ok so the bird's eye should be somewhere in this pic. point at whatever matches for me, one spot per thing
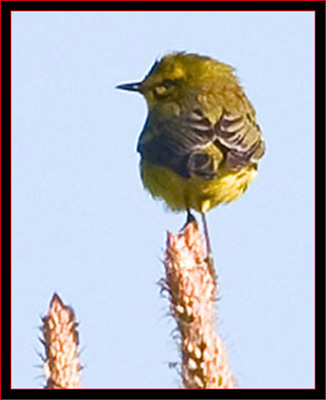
(164, 87)
(168, 83)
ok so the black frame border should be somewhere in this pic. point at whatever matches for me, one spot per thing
(6, 8)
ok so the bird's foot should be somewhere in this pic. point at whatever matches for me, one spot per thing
(190, 218)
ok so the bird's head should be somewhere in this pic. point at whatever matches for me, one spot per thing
(178, 77)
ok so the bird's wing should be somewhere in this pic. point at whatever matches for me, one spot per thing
(240, 139)
(182, 143)
(170, 142)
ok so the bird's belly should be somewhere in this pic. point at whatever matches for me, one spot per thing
(200, 195)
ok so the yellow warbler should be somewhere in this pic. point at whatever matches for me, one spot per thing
(201, 144)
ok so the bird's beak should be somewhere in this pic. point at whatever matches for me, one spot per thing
(133, 87)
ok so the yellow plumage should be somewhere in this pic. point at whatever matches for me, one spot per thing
(194, 193)
(201, 144)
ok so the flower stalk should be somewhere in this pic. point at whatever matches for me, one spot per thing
(60, 340)
(192, 289)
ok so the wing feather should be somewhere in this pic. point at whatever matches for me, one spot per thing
(180, 143)
(240, 138)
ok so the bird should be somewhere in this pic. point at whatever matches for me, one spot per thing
(200, 145)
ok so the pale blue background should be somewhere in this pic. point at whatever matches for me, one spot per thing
(83, 226)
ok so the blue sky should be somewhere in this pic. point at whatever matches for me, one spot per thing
(83, 226)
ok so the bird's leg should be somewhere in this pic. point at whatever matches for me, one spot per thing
(206, 234)
(190, 218)
(209, 254)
